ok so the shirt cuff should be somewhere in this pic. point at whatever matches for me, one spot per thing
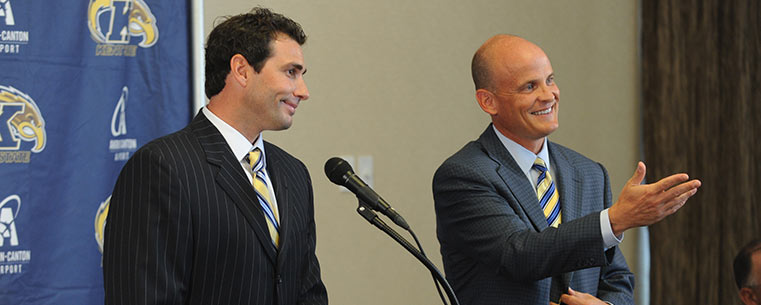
(609, 239)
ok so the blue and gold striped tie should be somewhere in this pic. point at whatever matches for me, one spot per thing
(548, 196)
(262, 192)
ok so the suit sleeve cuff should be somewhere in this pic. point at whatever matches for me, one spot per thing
(609, 239)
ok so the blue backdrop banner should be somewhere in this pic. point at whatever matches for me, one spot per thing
(82, 86)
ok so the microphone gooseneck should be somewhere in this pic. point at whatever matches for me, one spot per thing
(340, 172)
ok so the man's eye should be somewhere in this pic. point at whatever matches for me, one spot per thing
(291, 72)
(530, 87)
(550, 80)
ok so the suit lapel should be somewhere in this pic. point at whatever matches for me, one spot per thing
(280, 186)
(567, 182)
(514, 178)
(232, 179)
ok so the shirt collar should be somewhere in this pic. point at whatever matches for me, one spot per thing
(235, 140)
(524, 157)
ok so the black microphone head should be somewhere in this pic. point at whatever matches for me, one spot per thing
(335, 168)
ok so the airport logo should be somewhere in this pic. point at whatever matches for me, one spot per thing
(121, 147)
(12, 261)
(11, 39)
(9, 208)
(120, 26)
(7, 12)
(118, 119)
(100, 223)
(20, 121)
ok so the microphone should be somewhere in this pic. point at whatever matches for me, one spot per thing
(340, 172)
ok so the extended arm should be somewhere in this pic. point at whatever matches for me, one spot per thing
(616, 283)
(638, 205)
(480, 216)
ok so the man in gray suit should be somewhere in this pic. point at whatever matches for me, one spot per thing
(213, 214)
(522, 220)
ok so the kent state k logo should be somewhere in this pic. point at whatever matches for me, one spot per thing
(20, 120)
(113, 24)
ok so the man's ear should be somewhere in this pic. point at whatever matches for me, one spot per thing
(748, 297)
(487, 101)
(240, 70)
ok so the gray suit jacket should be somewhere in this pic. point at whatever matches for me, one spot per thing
(185, 227)
(495, 242)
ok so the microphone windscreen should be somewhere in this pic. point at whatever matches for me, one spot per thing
(335, 168)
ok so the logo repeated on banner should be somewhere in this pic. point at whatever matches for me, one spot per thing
(20, 120)
(100, 223)
(11, 38)
(114, 23)
(7, 12)
(12, 260)
(121, 147)
(116, 45)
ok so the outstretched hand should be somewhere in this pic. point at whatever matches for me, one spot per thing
(645, 204)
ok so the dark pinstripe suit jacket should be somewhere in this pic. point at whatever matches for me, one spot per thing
(184, 227)
(495, 242)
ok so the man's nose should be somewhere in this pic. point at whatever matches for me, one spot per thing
(550, 93)
(301, 89)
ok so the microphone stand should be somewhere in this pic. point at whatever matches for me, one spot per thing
(373, 218)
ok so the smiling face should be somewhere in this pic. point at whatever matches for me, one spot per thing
(274, 93)
(522, 97)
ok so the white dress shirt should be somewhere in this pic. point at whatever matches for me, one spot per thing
(240, 148)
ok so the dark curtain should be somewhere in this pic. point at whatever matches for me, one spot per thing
(702, 115)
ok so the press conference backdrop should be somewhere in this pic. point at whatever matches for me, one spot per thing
(82, 86)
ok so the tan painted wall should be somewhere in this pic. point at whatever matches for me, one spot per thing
(391, 79)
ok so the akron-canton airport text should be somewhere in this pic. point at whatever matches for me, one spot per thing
(11, 262)
(11, 41)
(14, 36)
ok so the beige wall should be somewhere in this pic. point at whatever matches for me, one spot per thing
(391, 79)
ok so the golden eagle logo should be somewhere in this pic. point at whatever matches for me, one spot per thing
(124, 19)
(27, 124)
(100, 222)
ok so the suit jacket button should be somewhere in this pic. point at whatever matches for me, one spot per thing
(278, 279)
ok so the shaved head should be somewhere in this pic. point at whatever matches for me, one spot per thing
(515, 85)
(501, 46)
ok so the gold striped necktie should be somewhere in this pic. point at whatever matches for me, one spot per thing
(547, 194)
(256, 161)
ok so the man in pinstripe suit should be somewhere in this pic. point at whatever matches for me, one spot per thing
(186, 225)
(498, 245)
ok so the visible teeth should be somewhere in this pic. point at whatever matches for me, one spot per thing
(544, 111)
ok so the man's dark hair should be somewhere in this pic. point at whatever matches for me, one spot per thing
(743, 263)
(247, 34)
